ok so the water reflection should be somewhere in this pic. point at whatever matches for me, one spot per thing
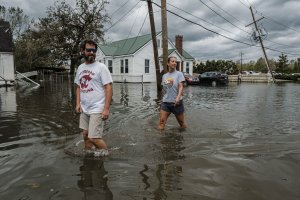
(169, 174)
(124, 95)
(250, 131)
(93, 179)
(9, 125)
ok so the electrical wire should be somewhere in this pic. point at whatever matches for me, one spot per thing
(138, 33)
(123, 17)
(223, 17)
(272, 49)
(130, 29)
(204, 20)
(226, 12)
(120, 7)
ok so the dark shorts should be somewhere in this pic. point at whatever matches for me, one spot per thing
(172, 108)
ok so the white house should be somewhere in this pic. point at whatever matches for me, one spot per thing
(7, 69)
(132, 60)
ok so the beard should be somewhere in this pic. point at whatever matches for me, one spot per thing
(90, 59)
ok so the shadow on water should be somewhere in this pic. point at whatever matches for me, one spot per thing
(242, 143)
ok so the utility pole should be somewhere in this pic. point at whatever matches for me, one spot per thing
(262, 45)
(164, 33)
(154, 42)
(241, 61)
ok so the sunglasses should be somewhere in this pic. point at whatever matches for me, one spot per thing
(91, 50)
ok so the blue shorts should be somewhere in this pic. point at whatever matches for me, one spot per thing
(172, 108)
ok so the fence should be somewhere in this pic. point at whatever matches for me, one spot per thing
(128, 78)
(259, 78)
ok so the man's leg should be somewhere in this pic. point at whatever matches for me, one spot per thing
(87, 143)
(99, 143)
(96, 128)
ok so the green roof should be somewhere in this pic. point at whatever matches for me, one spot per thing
(125, 47)
(186, 55)
(130, 46)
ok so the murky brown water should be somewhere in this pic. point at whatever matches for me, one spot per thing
(243, 142)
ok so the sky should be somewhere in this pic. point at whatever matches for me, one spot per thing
(211, 29)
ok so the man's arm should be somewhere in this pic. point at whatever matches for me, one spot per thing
(108, 97)
(78, 107)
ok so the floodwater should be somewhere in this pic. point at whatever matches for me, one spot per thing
(243, 143)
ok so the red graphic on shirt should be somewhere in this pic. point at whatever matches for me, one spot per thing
(84, 81)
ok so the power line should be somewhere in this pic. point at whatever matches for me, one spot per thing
(226, 12)
(274, 21)
(122, 17)
(244, 4)
(272, 49)
(223, 17)
(130, 29)
(138, 33)
(203, 20)
(205, 27)
(120, 7)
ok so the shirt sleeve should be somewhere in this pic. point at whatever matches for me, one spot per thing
(105, 75)
(76, 79)
(181, 77)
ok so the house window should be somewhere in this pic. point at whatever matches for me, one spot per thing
(126, 66)
(147, 63)
(187, 67)
(158, 43)
(122, 66)
(110, 67)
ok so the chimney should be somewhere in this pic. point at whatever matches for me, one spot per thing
(178, 43)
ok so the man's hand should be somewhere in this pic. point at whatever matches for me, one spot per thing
(105, 114)
(78, 109)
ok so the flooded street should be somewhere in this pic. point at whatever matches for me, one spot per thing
(243, 142)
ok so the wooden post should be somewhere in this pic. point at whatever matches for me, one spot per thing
(154, 42)
(164, 33)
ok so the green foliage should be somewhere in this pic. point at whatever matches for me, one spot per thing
(292, 77)
(19, 22)
(55, 38)
(220, 65)
(65, 27)
(282, 65)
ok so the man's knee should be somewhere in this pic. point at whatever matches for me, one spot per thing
(85, 135)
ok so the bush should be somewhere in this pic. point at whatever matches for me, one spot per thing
(292, 77)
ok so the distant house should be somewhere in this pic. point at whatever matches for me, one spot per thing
(132, 60)
(7, 70)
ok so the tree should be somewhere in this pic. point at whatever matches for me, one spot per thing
(30, 54)
(65, 27)
(297, 65)
(19, 22)
(260, 65)
(282, 65)
(219, 65)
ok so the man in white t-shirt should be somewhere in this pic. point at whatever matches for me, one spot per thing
(93, 97)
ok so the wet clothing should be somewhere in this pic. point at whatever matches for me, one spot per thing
(91, 79)
(170, 83)
(172, 108)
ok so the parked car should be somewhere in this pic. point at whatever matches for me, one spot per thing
(213, 78)
(190, 80)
